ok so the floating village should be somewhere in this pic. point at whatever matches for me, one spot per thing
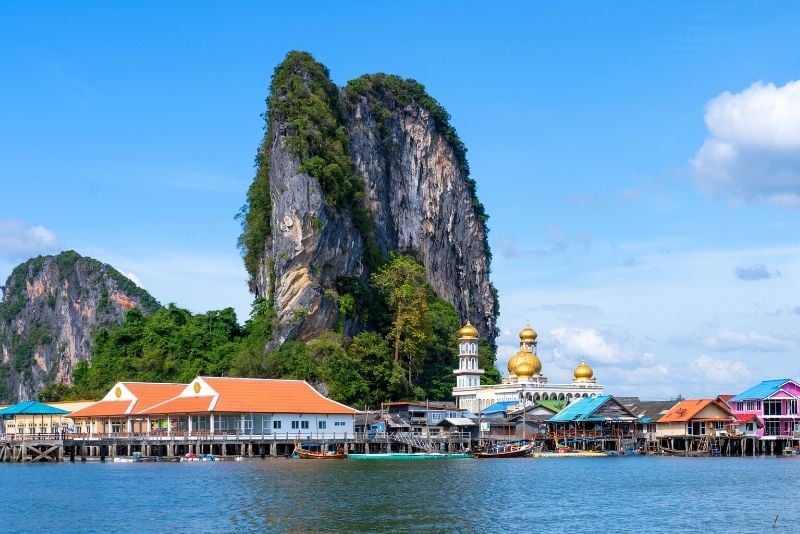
(216, 418)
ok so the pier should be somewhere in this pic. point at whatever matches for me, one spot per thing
(166, 446)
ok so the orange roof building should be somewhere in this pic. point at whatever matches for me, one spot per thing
(211, 405)
(694, 417)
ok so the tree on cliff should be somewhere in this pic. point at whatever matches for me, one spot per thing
(402, 282)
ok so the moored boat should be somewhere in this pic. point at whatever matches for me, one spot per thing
(307, 454)
(510, 450)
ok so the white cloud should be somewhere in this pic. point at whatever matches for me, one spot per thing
(762, 115)
(716, 371)
(725, 340)
(19, 241)
(194, 280)
(585, 342)
(133, 278)
(753, 151)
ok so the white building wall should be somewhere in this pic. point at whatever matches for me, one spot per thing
(335, 426)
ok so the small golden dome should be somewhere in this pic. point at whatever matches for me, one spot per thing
(526, 363)
(583, 373)
(528, 334)
(468, 332)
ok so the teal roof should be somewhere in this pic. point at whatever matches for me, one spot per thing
(32, 408)
(582, 410)
(761, 391)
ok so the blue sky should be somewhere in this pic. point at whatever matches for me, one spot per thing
(640, 162)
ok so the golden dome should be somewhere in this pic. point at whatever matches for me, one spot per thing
(512, 363)
(583, 373)
(525, 363)
(528, 334)
(468, 332)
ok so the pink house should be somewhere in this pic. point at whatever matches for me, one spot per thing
(773, 403)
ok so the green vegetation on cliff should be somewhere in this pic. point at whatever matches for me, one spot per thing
(410, 355)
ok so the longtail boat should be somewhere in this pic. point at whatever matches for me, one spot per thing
(320, 455)
(511, 450)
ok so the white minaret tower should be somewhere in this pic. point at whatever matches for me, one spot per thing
(468, 375)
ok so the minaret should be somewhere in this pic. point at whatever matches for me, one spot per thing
(468, 375)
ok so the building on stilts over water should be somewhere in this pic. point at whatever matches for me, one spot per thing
(525, 382)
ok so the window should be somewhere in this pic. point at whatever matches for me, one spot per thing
(338, 423)
(295, 425)
(304, 425)
(276, 425)
(772, 428)
(321, 425)
(791, 406)
(772, 407)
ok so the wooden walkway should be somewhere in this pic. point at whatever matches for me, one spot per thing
(54, 447)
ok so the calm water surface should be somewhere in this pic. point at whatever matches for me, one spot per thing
(647, 494)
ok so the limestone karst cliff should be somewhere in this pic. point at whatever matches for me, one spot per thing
(50, 309)
(346, 176)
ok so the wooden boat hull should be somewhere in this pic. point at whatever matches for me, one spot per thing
(314, 455)
(518, 452)
(673, 452)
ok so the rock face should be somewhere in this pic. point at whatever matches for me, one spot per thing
(419, 197)
(414, 190)
(50, 309)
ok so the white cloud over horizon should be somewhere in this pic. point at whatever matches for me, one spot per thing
(718, 371)
(753, 149)
(19, 240)
(726, 341)
(587, 343)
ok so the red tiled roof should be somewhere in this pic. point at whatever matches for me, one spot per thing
(181, 405)
(150, 394)
(747, 417)
(272, 396)
(686, 410)
(146, 394)
(236, 395)
(103, 409)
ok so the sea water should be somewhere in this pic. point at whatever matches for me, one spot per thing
(629, 494)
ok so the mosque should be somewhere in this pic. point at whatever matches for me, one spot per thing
(525, 381)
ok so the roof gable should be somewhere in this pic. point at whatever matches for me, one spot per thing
(126, 398)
